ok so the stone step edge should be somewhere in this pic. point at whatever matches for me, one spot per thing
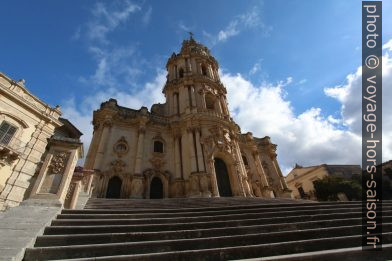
(175, 241)
(277, 233)
(212, 204)
(206, 209)
(147, 221)
(175, 224)
(206, 213)
(316, 254)
(161, 255)
(262, 214)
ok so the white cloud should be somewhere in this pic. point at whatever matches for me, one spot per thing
(388, 45)
(349, 95)
(106, 19)
(249, 20)
(115, 66)
(256, 68)
(309, 138)
(184, 27)
(147, 16)
(303, 81)
(229, 31)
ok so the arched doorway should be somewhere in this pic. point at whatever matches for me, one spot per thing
(156, 188)
(114, 187)
(222, 177)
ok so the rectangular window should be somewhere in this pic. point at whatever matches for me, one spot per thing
(7, 131)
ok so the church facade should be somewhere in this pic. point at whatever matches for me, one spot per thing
(187, 147)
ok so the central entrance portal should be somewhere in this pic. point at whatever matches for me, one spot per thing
(114, 187)
(222, 177)
(156, 188)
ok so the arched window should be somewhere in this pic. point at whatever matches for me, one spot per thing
(245, 160)
(210, 102)
(121, 147)
(181, 73)
(7, 131)
(204, 70)
(158, 146)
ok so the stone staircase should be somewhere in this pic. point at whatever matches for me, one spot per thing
(210, 229)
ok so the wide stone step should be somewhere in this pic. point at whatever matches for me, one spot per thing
(67, 214)
(282, 232)
(178, 205)
(346, 254)
(273, 224)
(211, 219)
(187, 202)
(204, 209)
(192, 202)
(217, 248)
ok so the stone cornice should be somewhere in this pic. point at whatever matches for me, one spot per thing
(191, 80)
(18, 92)
(174, 58)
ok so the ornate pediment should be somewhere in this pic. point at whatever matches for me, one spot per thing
(117, 166)
(221, 139)
(157, 161)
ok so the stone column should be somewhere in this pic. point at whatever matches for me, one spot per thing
(75, 193)
(193, 96)
(279, 173)
(107, 125)
(177, 155)
(188, 65)
(210, 74)
(259, 167)
(176, 106)
(169, 103)
(242, 171)
(218, 107)
(192, 151)
(214, 183)
(139, 152)
(224, 107)
(185, 98)
(92, 151)
(200, 159)
(203, 100)
(185, 154)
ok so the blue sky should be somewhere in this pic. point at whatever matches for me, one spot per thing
(297, 52)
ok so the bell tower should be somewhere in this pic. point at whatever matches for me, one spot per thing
(203, 131)
(193, 83)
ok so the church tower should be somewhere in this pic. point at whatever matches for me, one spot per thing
(187, 147)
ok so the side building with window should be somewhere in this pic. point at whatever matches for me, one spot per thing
(187, 147)
(32, 135)
(300, 179)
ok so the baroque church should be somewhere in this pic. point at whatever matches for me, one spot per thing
(187, 147)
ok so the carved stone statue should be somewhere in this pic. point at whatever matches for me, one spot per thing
(256, 188)
(137, 188)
